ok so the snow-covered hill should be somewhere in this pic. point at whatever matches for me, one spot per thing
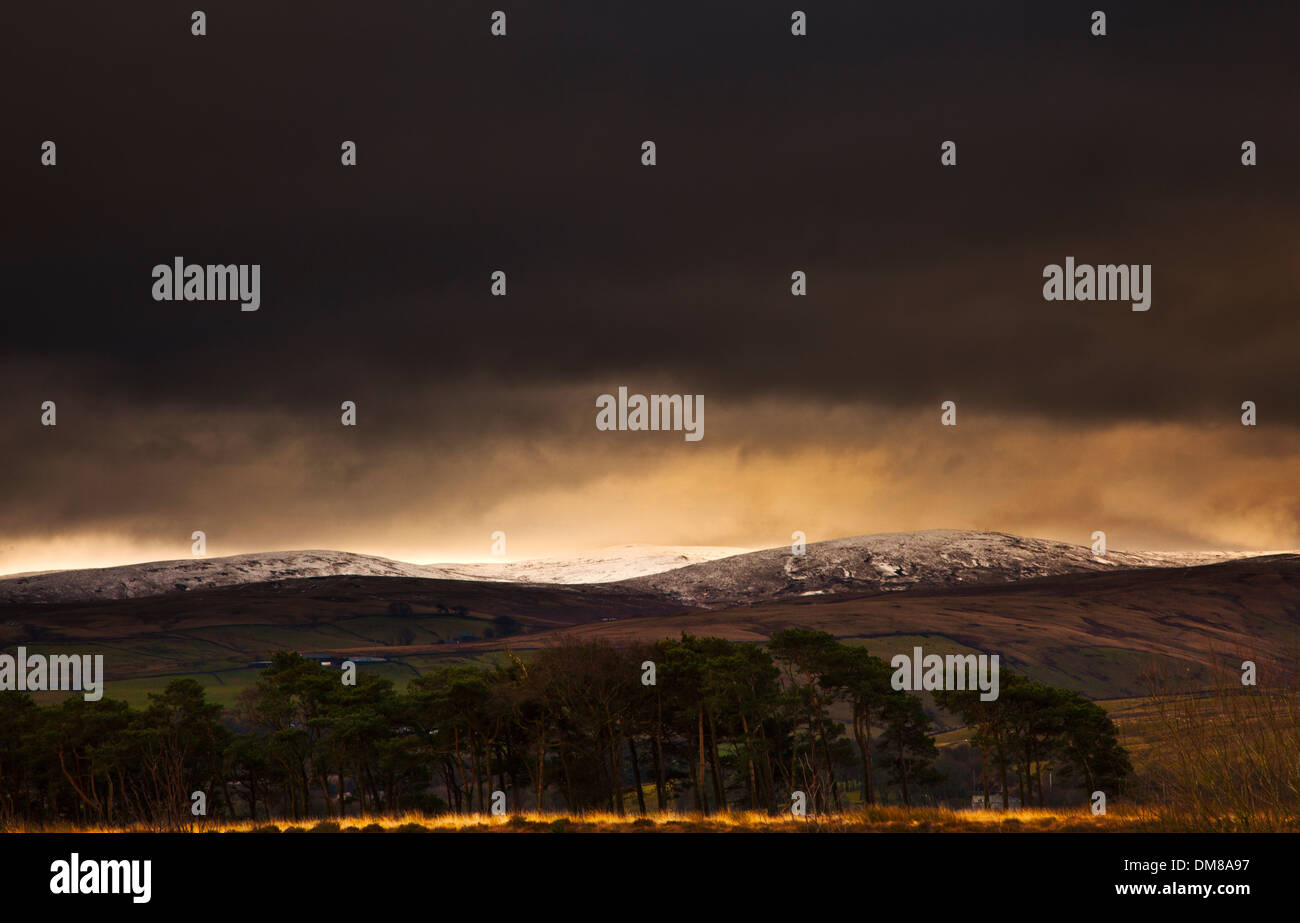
(896, 561)
(693, 575)
(619, 562)
(187, 574)
(156, 577)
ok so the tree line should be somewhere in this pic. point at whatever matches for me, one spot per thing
(692, 723)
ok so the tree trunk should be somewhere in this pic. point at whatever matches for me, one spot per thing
(661, 779)
(636, 776)
(541, 763)
(1006, 792)
(902, 772)
(749, 758)
(325, 790)
(617, 777)
(699, 781)
(719, 792)
(862, 733)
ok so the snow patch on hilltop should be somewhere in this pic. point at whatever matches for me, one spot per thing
(156, 578)
(897, 561)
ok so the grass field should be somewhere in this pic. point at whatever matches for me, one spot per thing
(1124, 819)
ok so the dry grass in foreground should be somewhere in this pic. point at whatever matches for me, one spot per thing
(870, 820)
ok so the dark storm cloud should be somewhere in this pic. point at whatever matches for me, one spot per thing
(522, 154)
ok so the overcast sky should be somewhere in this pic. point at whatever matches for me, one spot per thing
(523, 153)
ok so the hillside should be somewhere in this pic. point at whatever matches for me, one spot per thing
(1050, 609)
(891, 562)
(1096, 632)
(156, 578)
(708, 576)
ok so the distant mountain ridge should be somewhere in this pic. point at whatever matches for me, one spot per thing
(895, 561)
(1052, 610)
(704, 576)
(155, 578)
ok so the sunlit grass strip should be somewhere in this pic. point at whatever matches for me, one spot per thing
(871, 819)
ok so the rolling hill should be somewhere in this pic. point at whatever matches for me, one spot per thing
(897, 561)
(156, 578)
(1051, 610)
